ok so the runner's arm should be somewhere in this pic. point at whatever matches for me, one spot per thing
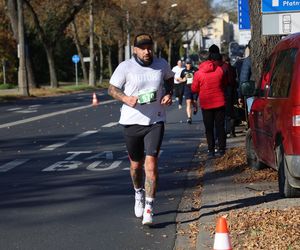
(118, 94)
(167, 98)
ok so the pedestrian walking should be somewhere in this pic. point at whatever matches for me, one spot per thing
(178, 83)
(144, 84)
(187, 76)
(209, 82)
(231, 95)
(245, 76)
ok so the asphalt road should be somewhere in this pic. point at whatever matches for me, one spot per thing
(65, 180)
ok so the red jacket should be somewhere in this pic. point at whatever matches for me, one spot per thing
(209, 83)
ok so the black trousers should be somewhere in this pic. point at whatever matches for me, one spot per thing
(214, 122)
(179, 91)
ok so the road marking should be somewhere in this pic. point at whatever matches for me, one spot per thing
(60, 144)
(76, 153)
(27, 111)
(54, 146)
(108, 155)
(12, 164)
(93, 166)
(111, 124)
(63, 166)
(40, 117)
(14, 109)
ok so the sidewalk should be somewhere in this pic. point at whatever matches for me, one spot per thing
(221, 195)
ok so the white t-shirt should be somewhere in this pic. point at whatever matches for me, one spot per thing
(134, 79)
(177, 70)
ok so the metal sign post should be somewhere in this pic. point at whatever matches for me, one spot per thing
(75, 59)
(244, 22)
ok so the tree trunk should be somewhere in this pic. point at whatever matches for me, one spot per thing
(92, 81)
(23, 84)
(109, 61)
(170, 51)
(13, 17)
(263, 44)
(100, 59)
(79, 51)
(29, 70)
(50, 59)
(120, 51)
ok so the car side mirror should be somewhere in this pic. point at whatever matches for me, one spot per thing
(248, 88)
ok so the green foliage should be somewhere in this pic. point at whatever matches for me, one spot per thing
(8, 55)
(7, 86)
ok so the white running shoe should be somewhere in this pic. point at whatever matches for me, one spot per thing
(147, 217)
(139, 203)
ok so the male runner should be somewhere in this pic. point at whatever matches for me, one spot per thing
(187, 76)
(144, 84)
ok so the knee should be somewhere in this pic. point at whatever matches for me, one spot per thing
(134, 165)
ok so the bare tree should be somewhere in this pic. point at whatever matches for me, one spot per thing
(92, 80)
(23, 84)
(11, 7)
(50, 29)
(263, 44)
(79, 50)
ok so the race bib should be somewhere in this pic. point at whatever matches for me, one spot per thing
(189, 79)
(147, 96)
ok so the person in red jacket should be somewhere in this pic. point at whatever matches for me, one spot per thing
(210, 82)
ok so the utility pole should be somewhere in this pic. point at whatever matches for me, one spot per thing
(22, 77)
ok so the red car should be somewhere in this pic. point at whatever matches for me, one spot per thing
(273, 138)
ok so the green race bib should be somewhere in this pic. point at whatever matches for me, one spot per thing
(147, 96)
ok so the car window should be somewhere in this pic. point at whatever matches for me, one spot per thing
(282, 73)
(266, 74)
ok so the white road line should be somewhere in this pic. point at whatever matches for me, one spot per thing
(13, 109)
(54, 146)
(26, 111)
(12, 164)
(60, 144)
(94, 165)
(111, 124)
(10, 124)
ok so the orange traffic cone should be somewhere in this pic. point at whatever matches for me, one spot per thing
(222, 239)
(95, 100)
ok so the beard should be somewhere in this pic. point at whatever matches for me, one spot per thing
(143, 61)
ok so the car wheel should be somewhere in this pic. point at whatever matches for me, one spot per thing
(252, 159)
(285, 189)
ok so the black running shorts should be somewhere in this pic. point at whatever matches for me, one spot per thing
(141, 139)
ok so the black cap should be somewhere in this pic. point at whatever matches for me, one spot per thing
(214, 49)
(142, 39)
(188, 61)
(215, 56)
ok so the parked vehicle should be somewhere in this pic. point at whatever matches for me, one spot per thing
(273, 138)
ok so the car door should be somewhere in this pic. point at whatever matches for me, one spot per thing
(257, 111)
(276, 105)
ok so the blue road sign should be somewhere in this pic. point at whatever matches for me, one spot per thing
(272, 6)
(75, 58)
(243, 15)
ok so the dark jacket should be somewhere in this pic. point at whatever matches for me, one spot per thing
(246, 73)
